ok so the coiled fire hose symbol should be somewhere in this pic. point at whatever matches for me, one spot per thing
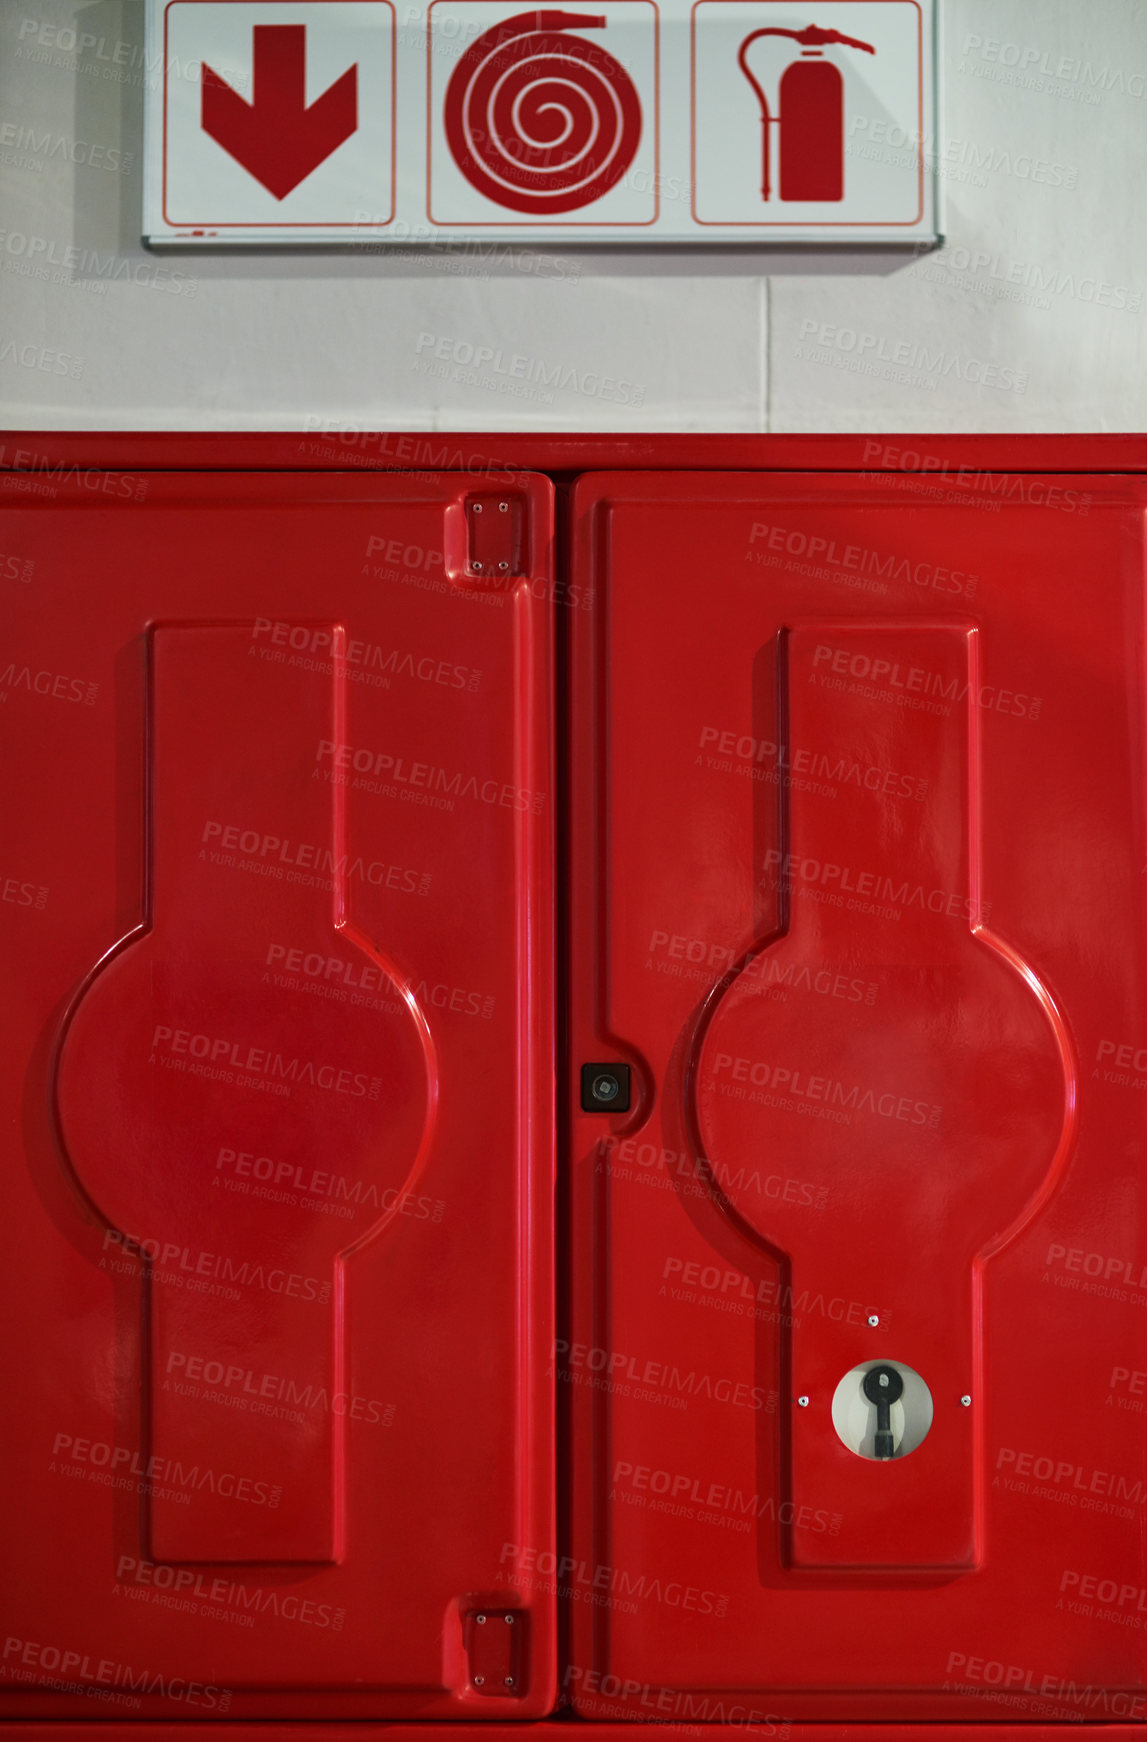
(540, 121)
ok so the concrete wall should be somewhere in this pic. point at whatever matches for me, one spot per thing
(1029, 318)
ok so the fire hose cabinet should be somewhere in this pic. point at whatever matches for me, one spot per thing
(278, 1071)
(574, 1069)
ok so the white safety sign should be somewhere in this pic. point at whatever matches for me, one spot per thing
(416, 121)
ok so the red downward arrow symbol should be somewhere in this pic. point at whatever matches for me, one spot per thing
(275, 136)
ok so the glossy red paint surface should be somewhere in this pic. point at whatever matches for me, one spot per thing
(642, 1730)
(975, 467)
(857, 891)
(851, 877)
(278, 1079)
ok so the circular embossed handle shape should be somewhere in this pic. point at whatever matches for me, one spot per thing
(239, 1126)
(541, 121)
(918, 1077)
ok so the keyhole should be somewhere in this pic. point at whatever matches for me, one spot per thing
(882, 1410)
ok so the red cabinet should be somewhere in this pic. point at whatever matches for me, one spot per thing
(728, 1314)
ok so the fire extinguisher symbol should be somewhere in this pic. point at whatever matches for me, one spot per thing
(810, 115)
(539, 120)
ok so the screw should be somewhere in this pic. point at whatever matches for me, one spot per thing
(503, 565)
(477, 567)
(478, 1680)
(503, 507)
(509, 1681)
(873, 1319)
(477, 508)
(802, 1402)
(481, 1620)
(509, 1620)
(966, 1401)
(605, 1087)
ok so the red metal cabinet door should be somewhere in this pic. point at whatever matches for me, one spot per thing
(277, 1077)
(859, 860)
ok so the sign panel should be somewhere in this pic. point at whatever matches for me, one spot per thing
(837, 143)
(645, 120)
(276, 118)
(542, 117)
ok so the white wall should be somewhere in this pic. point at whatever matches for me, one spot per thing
(1043, 276)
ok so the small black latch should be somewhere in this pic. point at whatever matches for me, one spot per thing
(605, 1088)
